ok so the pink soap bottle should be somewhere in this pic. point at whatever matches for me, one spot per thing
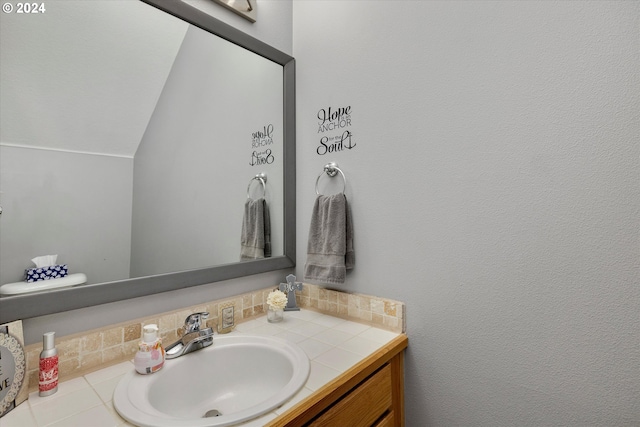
(48, 375)
(150, 355)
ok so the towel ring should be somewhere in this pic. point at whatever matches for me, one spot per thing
(262, 177)
(332, 170)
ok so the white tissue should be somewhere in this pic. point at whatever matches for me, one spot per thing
(45, 260)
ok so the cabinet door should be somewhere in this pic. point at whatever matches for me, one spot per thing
(363, 406)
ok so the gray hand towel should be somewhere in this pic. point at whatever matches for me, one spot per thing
(256, 230)
(330, 246)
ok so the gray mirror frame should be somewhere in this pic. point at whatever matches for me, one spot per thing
(55, 301)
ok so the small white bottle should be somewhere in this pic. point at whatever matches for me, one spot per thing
(150, 355)
(48, 372)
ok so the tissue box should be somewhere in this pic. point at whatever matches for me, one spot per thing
(46, 273)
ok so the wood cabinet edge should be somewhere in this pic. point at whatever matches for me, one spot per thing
(331, 392)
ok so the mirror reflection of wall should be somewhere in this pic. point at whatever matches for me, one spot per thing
(194, 163)
(90, 103)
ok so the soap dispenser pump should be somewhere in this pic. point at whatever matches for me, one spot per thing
(150, 355)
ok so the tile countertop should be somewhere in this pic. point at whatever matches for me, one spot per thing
(332, 344)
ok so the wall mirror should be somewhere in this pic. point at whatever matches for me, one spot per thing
(128, 142)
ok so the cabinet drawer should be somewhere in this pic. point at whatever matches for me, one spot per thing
(363, 406)
(387, 421)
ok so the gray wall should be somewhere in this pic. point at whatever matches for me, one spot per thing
(495, 189)
(48, 201)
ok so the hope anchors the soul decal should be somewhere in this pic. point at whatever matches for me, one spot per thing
(259, 141)
(337, 121)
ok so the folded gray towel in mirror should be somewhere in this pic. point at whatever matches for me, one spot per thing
(256, 230)
(330, 246)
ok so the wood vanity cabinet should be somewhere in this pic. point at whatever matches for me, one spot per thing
(370, 394)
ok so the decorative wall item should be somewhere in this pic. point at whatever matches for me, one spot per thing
(290, 289)
(261, 140)
(334, 127)
(244, 8)
(13, 366)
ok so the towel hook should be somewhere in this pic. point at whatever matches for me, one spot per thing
(332, 170)
(262, 177)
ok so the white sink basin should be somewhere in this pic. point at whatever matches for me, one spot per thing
(240, 376)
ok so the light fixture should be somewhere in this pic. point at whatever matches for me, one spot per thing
(244, 8)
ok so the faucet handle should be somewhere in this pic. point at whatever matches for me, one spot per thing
(194, 321)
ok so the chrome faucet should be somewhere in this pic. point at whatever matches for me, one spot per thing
(193, 338)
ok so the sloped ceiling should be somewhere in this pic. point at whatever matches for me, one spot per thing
(85, 75)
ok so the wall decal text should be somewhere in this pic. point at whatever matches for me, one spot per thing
(331, 120)
(260, 139)
(262, 158)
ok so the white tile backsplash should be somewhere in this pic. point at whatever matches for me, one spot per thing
(332, 344)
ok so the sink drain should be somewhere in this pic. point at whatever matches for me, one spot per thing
(212, 413)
